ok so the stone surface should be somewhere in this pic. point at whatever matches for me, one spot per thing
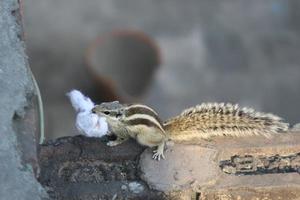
(271, 193)
(184, 167)
(85, 168)
(17, 118)
(282, 145)
(259, 163)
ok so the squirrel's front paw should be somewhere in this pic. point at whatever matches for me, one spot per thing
(158, 155)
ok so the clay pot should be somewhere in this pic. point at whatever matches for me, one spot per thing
(122, 64)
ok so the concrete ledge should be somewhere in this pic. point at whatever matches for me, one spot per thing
(80, 167)
(86, 168)
(184, 166)
(263, 193)
(260, 165)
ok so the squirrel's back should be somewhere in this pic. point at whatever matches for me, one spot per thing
(219, 119)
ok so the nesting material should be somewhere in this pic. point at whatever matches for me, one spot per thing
(87, 122)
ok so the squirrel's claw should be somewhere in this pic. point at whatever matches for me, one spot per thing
(158, 155)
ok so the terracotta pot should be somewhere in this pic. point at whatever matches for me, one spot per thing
(122, 64)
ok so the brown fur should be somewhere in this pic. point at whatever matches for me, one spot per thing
(193, 124)
(219, 119)
(142, 110)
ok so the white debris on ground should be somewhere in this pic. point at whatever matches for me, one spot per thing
(87, 122)
(123, 187)
(136, 187)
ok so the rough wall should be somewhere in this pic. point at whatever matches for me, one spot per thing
(17, 179)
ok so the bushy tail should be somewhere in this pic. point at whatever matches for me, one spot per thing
(219, 119)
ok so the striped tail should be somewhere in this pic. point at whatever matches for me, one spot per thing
(219, 119)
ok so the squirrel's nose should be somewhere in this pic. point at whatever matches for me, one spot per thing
(94, 110)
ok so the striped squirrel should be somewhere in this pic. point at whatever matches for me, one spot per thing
(200, 122)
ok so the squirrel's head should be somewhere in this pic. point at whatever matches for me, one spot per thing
(120, 117)
(112, 112)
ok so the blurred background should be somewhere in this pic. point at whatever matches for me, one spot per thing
(168, 54)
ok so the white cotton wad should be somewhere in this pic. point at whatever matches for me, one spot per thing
(91, 125)
(87, 122)
(80, 102)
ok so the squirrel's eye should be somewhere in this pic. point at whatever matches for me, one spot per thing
(106, 112)
(118, 115)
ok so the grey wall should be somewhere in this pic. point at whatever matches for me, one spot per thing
(17, 143)
(239, 51)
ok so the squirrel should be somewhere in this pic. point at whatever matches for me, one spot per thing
(200, 122)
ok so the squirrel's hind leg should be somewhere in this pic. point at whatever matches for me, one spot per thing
(153, 138)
